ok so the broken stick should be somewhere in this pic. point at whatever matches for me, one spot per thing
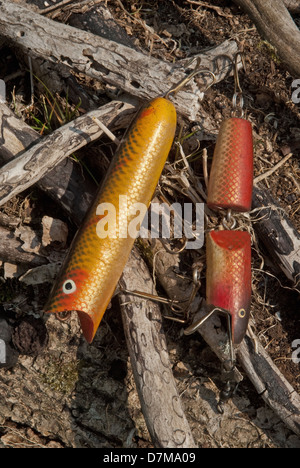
(160, 401)
(115, 64)
(278, 234)
(30, 166)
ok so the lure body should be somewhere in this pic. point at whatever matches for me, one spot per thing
(94, 264)
(231, 177)
(228, 277)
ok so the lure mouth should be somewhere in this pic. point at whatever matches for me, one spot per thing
(88, 326)
(88, 323)
(89, 312)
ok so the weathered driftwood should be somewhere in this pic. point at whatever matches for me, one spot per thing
(59, 184)
(275, 24)
(277, 233)
(29, 167)
(63, 181)
(96, 19)
(270, 383)
(160, 401)
(129, 70)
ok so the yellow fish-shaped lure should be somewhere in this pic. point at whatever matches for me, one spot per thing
(95, 262)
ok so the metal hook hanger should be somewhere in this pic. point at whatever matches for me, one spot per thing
(211, 310)
(188, 78)
(238, 98)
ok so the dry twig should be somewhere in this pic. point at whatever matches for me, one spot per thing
(273, 169)
(219, 10)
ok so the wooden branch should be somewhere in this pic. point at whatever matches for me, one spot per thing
(292, 5)
(66, 184)
(278, 234)
(275, 24)
(161, 403)
(62, 183)
(28, 168)
(270, 384)
(127, 69)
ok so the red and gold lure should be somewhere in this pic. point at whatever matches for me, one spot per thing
(228, 281)
(95, 261)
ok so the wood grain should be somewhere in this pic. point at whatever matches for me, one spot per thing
(129, 70)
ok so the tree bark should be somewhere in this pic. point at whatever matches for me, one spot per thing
(129, 70)
(59, 184)
(275, 24)
(160, 401)
(270, 384)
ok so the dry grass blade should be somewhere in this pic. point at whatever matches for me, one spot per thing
(273, 169)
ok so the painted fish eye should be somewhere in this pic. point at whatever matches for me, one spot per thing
(69, 286)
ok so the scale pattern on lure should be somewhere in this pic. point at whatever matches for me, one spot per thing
(231, 177)
(94, 265)
(228, 281)
(228, 276)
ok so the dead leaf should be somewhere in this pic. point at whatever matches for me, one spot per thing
(30, 239)
(41, 274)
(55, 232)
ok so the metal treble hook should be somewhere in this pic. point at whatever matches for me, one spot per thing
(238, 98)
(188, 78)
(186, 309)
(211, 310)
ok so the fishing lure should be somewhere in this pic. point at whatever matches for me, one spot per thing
(94, 264)
(229, 251)
(228, 277)
(97, 258)
(231, 177)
